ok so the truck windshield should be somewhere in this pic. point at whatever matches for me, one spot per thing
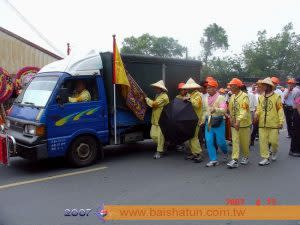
(38, 91)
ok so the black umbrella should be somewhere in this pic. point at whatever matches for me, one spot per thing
(178, 121)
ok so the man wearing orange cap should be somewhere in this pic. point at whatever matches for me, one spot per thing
(270, 116)
(241, 122)
(277, 89)
(288, 104)
(182, 92)
(215, 108)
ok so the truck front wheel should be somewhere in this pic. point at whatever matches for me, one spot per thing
(83, 151)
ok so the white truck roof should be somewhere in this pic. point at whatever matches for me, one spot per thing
(87, 63)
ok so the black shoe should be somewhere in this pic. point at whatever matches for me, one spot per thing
(190, 157)
(294, 154)
(198, 159)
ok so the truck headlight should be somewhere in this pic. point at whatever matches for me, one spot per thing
(7, 123)
(35, 130)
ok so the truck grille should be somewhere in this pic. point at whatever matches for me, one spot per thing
(17, 126)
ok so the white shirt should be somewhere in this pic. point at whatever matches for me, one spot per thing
(289, 101)
(278, 91)
(252, 101)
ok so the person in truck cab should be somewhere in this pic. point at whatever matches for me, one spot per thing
(81, 93)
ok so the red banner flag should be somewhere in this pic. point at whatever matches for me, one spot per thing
(131, 91)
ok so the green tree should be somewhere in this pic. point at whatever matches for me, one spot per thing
(214, 38)
(225, 68)
(278, 55)
(150, 45)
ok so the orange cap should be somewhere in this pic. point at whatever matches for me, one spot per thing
(236, 82)
(275, 80)
(291, 81)
(180, 85)
(212, 83)
(222, 90)
(209, 78)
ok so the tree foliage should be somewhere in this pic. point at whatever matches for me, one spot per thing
(225, 68)
(214, 38)
(278, 55)
(150, 45)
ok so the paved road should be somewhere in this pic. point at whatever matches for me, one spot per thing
(129, 175)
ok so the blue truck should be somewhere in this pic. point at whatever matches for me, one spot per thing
(42, 123)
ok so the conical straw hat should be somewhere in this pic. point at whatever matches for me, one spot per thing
(191, 84)
(160, 84)
(267, 81)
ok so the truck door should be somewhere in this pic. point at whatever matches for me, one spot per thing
(75, 113)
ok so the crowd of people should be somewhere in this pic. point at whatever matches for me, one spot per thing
(234, 114)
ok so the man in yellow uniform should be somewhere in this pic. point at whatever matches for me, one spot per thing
(81, 93)
(270, 115)
(157, 106)
(240, 117)
(196, 99)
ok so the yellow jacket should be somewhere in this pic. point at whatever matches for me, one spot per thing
(239, 109)
(157, 106)
(196, 100)
(269, 111)
(217, 105)
(181, 97)
(84, 96)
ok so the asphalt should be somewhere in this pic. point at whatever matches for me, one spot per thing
(129, 175)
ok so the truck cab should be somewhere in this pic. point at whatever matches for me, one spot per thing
(45, 123)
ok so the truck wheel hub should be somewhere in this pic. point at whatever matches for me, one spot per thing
(83, 151)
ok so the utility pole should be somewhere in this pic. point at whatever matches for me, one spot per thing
(68, 49)
(186, 53)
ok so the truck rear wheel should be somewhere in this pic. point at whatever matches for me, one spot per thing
(83, 151)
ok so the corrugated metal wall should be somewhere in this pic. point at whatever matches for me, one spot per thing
(15, 54)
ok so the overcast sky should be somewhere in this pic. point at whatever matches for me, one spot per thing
(91, 23)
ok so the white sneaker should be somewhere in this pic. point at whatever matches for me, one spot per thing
(244, 161)
(233, 164)
(157, 155)
(264, 162)
(274, 156)
(212, 163)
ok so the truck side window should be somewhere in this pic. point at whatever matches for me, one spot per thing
(81, 90)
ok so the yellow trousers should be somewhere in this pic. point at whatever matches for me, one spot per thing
(194, 143)
(157, 137)
(240, 139)
(268, 136)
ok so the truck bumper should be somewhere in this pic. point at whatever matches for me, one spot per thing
(35, 152)
(31, 148)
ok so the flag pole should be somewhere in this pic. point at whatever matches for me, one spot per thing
(114, 86)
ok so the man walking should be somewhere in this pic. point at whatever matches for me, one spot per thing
(271, 118)
(240, 122)
(157, 106)
(196, 99)
(288, 105)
